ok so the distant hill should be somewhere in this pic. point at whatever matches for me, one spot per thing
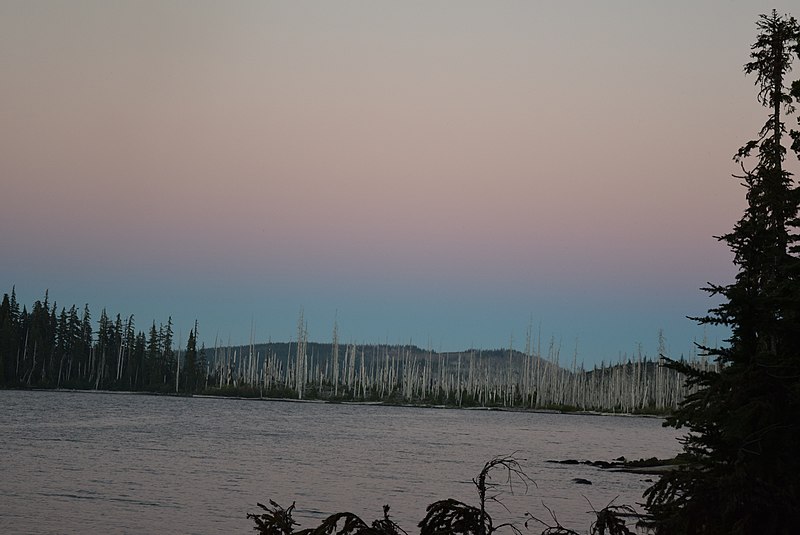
(322, 352)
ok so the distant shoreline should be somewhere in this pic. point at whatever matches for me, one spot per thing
(338, 402)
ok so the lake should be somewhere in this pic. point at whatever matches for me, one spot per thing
(86, 462)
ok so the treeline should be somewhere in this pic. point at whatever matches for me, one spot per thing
(50, 347)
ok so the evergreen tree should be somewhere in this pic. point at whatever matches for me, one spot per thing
(14, 305)
(73, 345)
(116, 353)
(190, 362)
(153, 357)
(38, 344)
(74, 352)
(12, 333)
(743, 449)
(7, 342)
(169, 362)
(138, 358)
(63, 342)
(128, 363)
(102, 349)
(85, 348)
(202, 366)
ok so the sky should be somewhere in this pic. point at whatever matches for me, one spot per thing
(447, 174)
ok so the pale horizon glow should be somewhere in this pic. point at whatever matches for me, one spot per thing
(445, 173)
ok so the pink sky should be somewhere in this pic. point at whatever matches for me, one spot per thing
(488, 162)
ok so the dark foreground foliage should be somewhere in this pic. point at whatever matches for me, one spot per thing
(278, 521)
(449, 516)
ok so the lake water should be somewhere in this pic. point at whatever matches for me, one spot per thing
(79, 462)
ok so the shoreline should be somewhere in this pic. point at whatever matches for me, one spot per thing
(342, 402)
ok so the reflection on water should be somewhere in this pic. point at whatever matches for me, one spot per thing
(121, 463)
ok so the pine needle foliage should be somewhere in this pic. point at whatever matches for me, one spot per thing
(275, 520)
(452, 516)
(611, 520)
(278, 521)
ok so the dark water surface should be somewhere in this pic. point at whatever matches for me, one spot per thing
(75, 462)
